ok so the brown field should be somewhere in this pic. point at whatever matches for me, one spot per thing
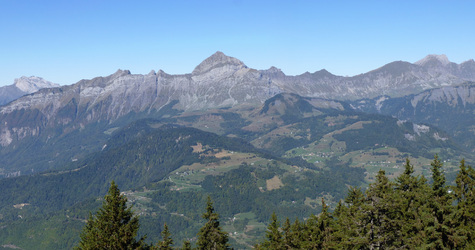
(198, 148)
(274, 183)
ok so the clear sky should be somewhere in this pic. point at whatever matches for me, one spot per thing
(66, 41)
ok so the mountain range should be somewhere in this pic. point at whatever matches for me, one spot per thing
(219, 81)
(51, 116)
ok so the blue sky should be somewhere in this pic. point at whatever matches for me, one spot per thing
(66, 41)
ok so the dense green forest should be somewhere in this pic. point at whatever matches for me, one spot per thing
(136, 158)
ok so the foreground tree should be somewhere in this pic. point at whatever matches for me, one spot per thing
(377, 218)
(464, 216)
(166, 242)
(273, 235)
(186, 245)
(412, 194)
(113, 227)
(350, 231)
(210, 235)
(438, 226)
(320, 231)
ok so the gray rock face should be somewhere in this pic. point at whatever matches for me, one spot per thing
(22, 86)
(219, 81)
(453, 96)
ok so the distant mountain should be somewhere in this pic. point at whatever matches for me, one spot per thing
(440, 64)
(450, 108)
(89, 110)
(22, 86)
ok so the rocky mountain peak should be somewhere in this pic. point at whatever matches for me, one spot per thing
(323, 73)
(468, 62)
(32, 84)
(120, 73)
(442, 59)
(274, 72)
(217, 60)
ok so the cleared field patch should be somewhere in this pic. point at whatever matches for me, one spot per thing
(198, 148)
(274, 183)
(223, 153)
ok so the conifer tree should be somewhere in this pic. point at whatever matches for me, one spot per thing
(339, 210)
(464, 183)
(438, 230)
(210, 235)
(113, 227)
(464, 216)
(406, 181)
(411, 194)
(380, 214)
(166, 241)
(351, 220)
(296, 234)
(292, 234)
(273, 235)
(186, 245)
(439, 188)
(287, 234)
(311, 233)
(355, 197)
(340, 215)
(326, 228)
